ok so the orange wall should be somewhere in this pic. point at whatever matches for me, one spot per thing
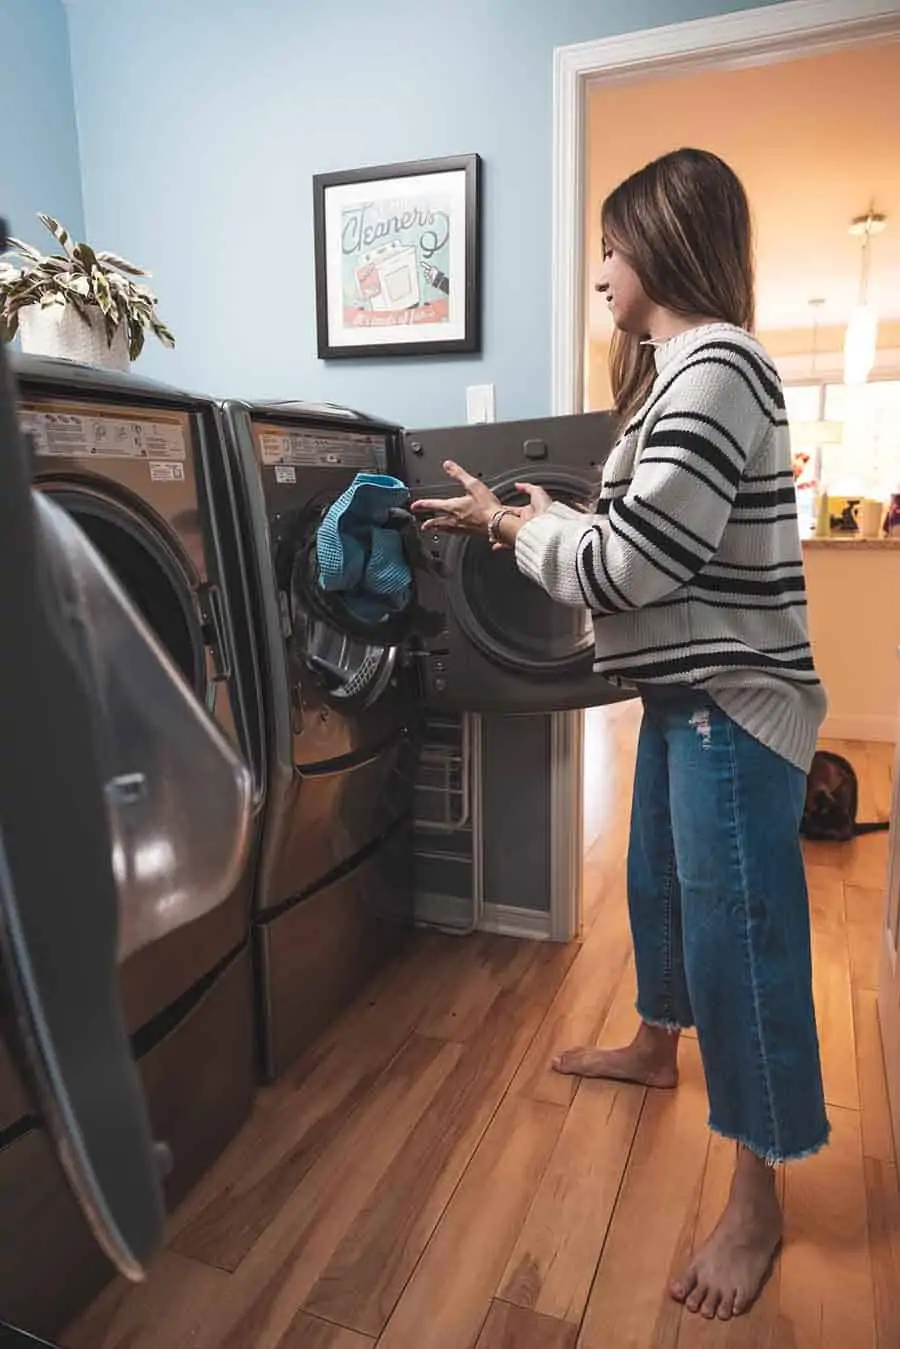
(815, 142)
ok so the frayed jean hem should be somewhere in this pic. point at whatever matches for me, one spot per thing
(662, 1024)
(769, 1155)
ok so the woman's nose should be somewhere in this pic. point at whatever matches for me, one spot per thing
(601, 286)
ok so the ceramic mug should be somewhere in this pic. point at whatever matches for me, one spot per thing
(870, 515)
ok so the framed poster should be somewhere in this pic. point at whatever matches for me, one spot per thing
(398, 267)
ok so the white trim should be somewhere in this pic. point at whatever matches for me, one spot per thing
(749, 37)
(883, 730)
(566, 823)
(509, 921)
(451, 913)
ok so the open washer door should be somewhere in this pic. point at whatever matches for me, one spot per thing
(105, 747)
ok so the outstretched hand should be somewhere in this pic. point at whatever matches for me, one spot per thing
(472, 513)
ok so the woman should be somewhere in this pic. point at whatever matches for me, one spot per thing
(691, 566)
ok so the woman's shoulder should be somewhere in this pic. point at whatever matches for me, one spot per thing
(719, 361)
(724, 345)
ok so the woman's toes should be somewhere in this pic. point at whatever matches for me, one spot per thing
(711, 1304)
(681, 1289)
(697, 1298)
(726, 1307)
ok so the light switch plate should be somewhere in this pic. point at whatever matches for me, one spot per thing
(480, 404)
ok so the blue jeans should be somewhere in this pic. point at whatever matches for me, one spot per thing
(720, 919)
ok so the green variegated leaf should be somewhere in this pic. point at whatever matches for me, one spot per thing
(162, 332)
(121, 264)
(84, 254)
(100, 287)
(26, 250)
(59, 232)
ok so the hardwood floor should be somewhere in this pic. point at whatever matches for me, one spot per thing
(422, 1180)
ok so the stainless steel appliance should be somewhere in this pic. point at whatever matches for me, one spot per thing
(138, 467)
(334, 894)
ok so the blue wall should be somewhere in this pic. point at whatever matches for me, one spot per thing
(39, 168)
(202, 123)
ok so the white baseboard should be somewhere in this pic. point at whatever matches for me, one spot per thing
(883, 730)
(446, 911)
(509, 921)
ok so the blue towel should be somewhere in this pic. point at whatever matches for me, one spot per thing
(360, 553)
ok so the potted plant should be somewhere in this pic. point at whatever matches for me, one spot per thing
(79, 304)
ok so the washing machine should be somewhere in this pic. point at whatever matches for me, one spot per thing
(141, 470)
(505, 646)
(334, 895)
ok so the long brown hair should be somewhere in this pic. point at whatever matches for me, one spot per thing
(683, 223)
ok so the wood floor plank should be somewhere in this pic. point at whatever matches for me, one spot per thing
(516, 1328)
(295, 1122)
(653, 1225)
(879, 775)
(265, 1293)
(305, 1332)
(755, 1329)
(487, 964)
(169, 1309)
(883, 1202)
(832, 990)
(556, 1256)
(864, 907)
(445, 1302)
(826, 1298)
(580, 1007)
(877, 1135)
(368, 1272)
(865, 861)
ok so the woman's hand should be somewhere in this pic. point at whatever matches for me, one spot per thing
(538, 500)
(471, 513)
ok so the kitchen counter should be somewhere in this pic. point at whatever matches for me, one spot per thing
(854, 619)
(850, 543)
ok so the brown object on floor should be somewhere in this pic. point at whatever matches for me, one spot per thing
(423, 1180)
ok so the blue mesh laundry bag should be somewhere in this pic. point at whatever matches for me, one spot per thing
(360, 548)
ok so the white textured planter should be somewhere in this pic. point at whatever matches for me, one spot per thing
(58, 331)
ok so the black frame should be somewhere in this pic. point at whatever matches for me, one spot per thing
(470, 343)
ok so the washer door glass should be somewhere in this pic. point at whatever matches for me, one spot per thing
(508, 617)
(346, 669)
(148, 568)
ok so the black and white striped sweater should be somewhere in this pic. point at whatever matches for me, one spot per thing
(692, 566)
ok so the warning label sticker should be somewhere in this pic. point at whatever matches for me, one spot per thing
(75, 432)
(166, 472)
(321, 449)
(285, 473)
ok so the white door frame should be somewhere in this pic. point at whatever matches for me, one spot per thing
(749, 37)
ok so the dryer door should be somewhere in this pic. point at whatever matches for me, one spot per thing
(507, 647)
(94, 723)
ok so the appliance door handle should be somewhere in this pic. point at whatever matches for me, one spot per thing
(216, 631)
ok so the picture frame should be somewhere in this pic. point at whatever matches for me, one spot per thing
(398, 259)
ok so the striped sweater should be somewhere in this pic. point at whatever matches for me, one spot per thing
(692, 565)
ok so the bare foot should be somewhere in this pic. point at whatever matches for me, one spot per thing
(727, 1274)
(651, 1060)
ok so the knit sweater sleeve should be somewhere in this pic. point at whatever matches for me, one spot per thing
(695, 438)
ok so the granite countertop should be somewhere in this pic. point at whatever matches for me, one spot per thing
(852, 543)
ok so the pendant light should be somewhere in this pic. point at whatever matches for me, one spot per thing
(861, 338)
